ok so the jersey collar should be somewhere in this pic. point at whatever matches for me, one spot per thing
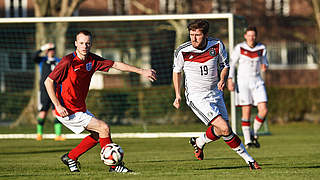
(78, 59)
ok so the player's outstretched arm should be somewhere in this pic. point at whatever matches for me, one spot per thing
(148, 73)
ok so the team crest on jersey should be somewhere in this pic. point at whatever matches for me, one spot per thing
(212, 52)
(89, 66)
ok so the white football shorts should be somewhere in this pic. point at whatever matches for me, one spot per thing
(76, 122)
(207, 105)
(250, 92)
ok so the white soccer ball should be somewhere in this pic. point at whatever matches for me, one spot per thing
(111, 154)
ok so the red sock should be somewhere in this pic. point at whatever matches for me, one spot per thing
(259, 119)
(105, 141)
(86, 144)
(245, 122)
(210, 134)
(232, 140)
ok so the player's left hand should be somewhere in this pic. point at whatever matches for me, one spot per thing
(151, 74)
(221, 85)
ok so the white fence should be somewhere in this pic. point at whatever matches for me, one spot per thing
(292, 55)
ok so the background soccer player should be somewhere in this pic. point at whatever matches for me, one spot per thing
(251, 90)
(46, 63)
(200, 59)
(73, 75)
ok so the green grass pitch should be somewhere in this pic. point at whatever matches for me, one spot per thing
(290, 152)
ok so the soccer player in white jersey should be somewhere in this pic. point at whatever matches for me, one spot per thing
(200, 60)
(252, 59)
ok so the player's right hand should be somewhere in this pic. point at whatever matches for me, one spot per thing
(62, 111)
(176, 103)
(151, 74)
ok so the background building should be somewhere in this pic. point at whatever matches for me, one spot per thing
(287, 27)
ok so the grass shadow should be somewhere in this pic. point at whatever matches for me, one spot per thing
(34, 152)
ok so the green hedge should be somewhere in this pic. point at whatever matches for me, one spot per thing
(12, 104)
(154, 105)
(293, 104)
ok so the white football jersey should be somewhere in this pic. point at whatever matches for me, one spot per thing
(201, 66)
(249, 59)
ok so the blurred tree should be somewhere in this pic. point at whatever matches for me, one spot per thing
(54, 8)
(316, 9)
(179, 26)
(47, 33)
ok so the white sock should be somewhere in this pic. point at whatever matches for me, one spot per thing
(202, 140)
(256, 126)
(246, 134)
(241, 150)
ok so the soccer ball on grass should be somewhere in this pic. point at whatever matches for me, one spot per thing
(111, 154)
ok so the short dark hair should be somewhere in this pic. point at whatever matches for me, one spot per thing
(203, 25)
(85, 32)
(251, 28)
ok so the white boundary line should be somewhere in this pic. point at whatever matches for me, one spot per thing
(114, 135)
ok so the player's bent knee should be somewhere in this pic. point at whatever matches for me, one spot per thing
(263, 112)
(104, 128)
(225, 130)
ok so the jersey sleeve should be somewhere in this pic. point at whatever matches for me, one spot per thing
(264, 57)
(178, 62)
(103, 64)
(235, 55)
(36, 57)
(60, 72)
(223, 60)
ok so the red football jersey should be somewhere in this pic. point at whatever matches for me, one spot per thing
(73, 77)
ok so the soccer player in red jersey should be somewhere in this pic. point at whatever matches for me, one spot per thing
(73, 75)
(200, 59)
(252, 59)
